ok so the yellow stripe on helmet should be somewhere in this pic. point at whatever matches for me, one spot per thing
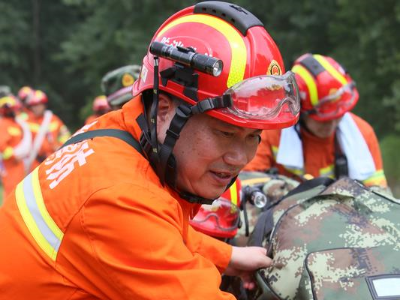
(327, 66)
(238, 48)
(310, 82)
(7, 100)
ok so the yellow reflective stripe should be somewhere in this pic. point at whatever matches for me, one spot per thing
(14, 131)
(34, 127)
(309, 81)
(36, 217)
(63, 138)
(254, 181)
(53, 126)
(327, 66)
(378, 178)
(7, 153)
(7, 100)
(233, 192)
(297, 172)
(275, 151)
(327, 171)
(23, 116)
(238, 47)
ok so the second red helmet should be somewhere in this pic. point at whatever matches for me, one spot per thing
(326, 90)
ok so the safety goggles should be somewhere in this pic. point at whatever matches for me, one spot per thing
(337, 103)
(221, 215)
(264, 97)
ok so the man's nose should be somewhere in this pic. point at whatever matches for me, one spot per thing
(237, 155)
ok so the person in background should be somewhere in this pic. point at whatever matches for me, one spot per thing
(23, 93)
(107, 216)
(15, 144)
(117, 85)
(100, 107)
(48, 131)
(329, 139)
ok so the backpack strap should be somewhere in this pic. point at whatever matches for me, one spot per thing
(262, 229)
(117, 133)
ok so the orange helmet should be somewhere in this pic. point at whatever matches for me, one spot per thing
(220, 219)
(239, 45)
(327, 91)
(9, 104)
(37, 97)
(24, 92)
(100, 104)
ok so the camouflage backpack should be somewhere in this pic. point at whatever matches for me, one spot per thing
(336, 240)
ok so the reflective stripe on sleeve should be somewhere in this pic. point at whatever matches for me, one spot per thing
(36, 217)
(7, 153)
(378, 179)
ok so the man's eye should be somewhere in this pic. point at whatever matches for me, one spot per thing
(255, 137)
(226, 133)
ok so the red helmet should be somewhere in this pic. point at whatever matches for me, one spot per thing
(233, 35)
(8, 104)
(221, 218)
(24, 92)
(100, 104)
(37, 97)
(327, 91)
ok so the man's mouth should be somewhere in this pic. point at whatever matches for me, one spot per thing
(222, 175)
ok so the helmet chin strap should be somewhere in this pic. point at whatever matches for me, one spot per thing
(160, 155)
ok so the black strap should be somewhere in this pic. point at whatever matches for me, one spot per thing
(117, 133)
(262, 229)
(312, 65)
(341, 165)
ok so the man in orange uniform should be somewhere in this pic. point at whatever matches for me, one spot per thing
(15, 144)
(329, 140)
(117, 85)
(107, 217)
(48, 131)
(100, 107)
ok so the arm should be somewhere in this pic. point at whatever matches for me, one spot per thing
(131, 247)
(378, 178)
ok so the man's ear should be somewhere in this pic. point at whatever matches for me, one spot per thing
(165, 105)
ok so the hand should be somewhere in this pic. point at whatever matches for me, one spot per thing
(244, 261)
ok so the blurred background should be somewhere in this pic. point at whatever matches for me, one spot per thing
(65, 47)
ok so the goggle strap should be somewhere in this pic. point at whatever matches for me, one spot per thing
(212, 103)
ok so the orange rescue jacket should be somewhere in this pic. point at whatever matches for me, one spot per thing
(94, 222)
(319, 154)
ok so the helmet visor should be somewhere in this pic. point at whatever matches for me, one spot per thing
(264, 97)
(221, 215)
(337, 103)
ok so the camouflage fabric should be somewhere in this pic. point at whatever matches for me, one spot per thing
(327, 243)
(273, 185)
